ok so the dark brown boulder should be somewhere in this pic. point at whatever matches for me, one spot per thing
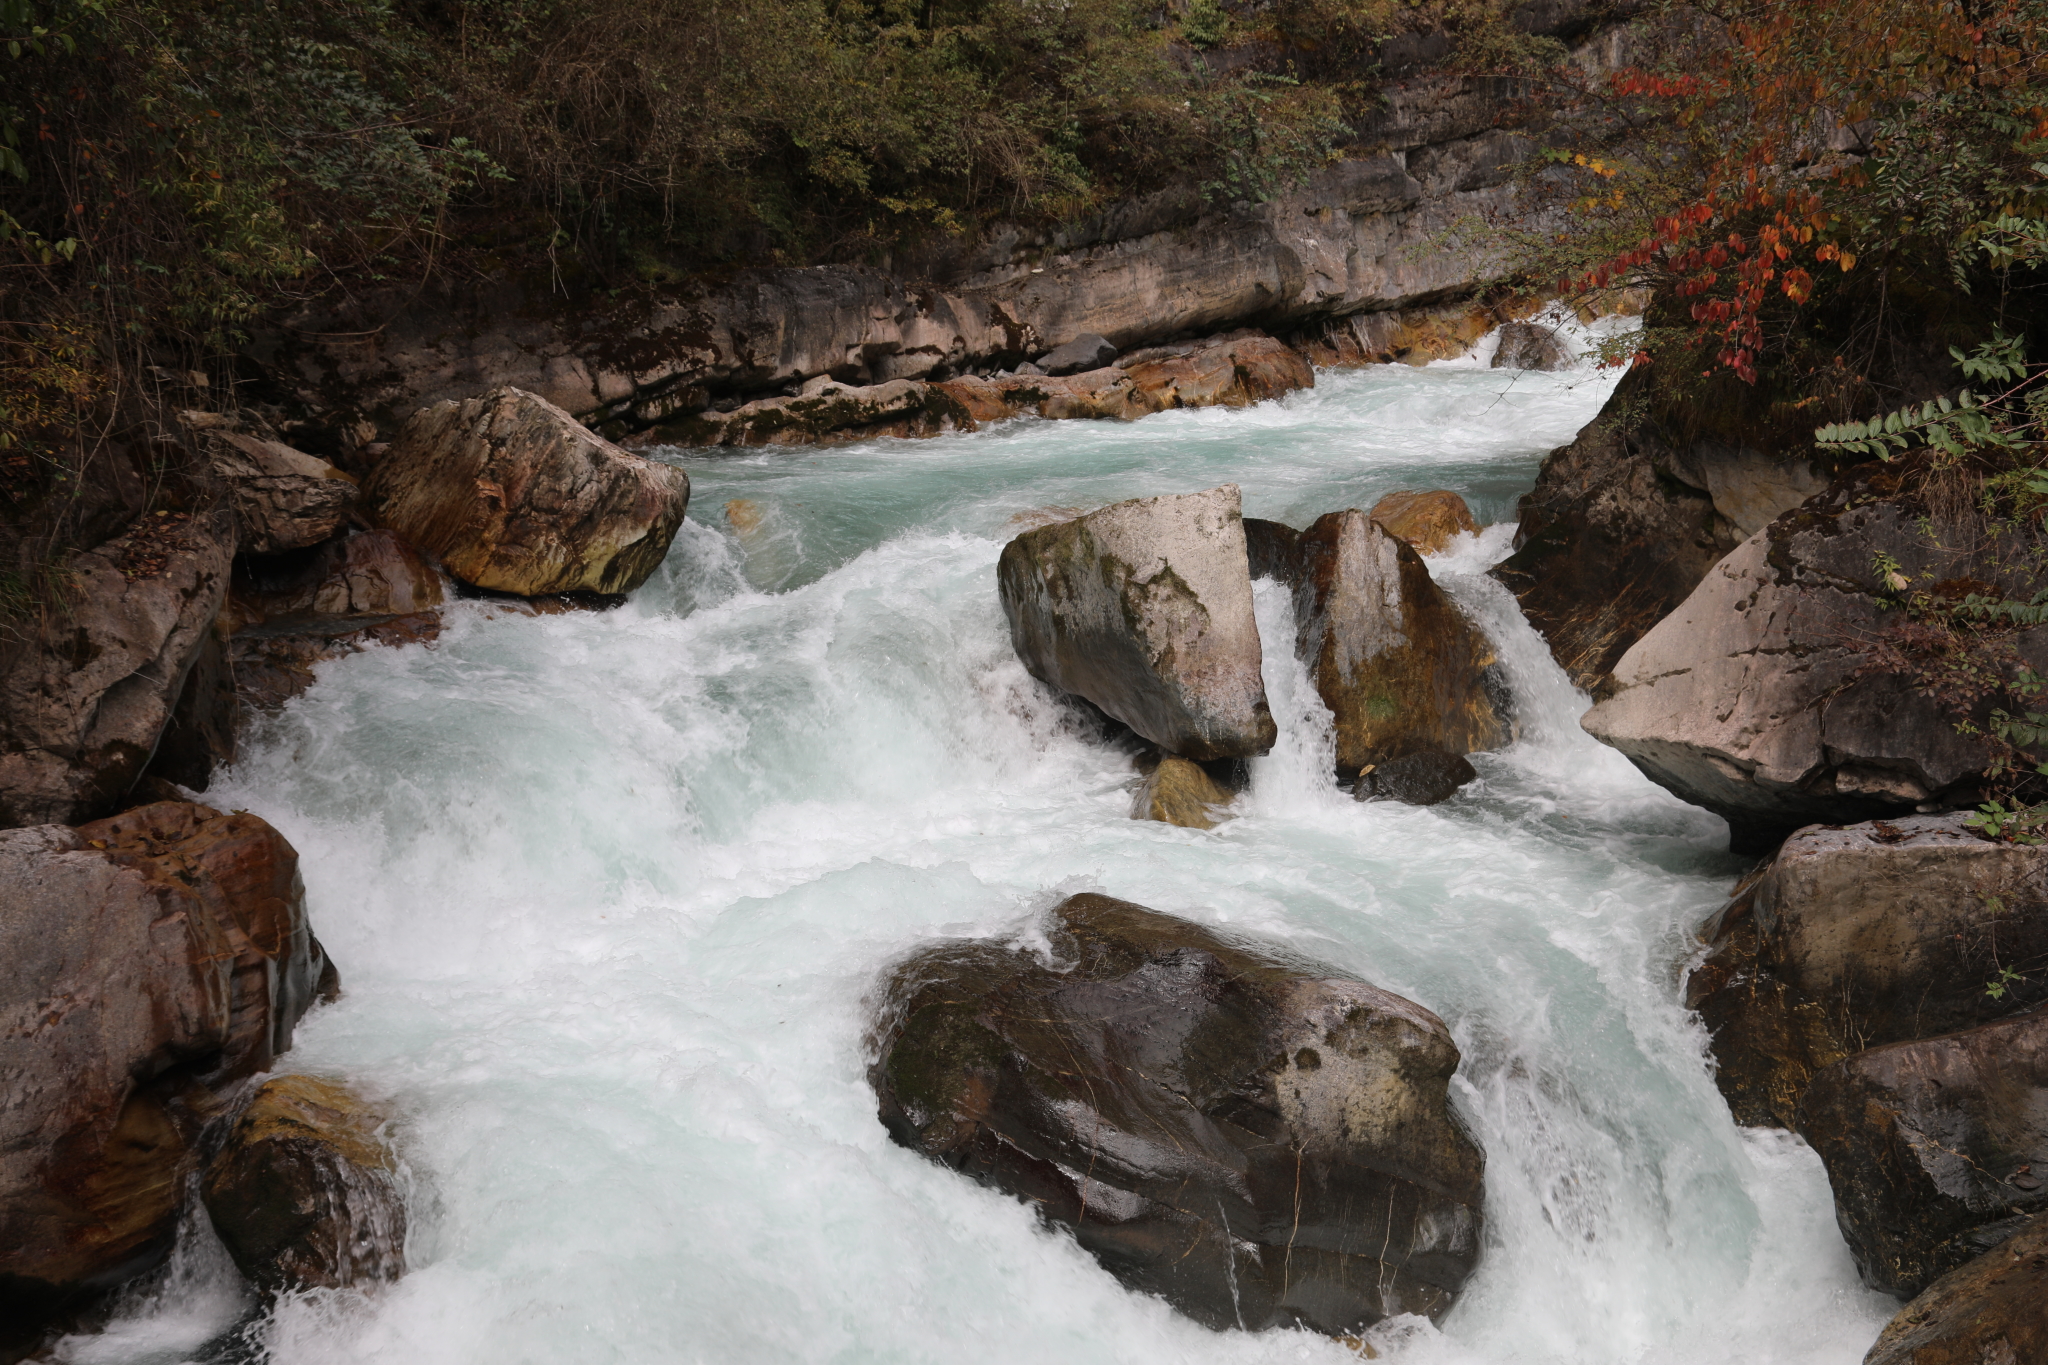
(1399, 666)
(1934, 1147)
(149, 957)
(1859, 936)
(1427, 521)
(1144, 608)
(304, 1193)
(1272, 550)
(1258, 1139)
(1991, 1311)
(1423, 778)
(514, 495)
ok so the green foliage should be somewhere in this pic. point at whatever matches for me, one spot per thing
(2015, 824)
(2007, 979)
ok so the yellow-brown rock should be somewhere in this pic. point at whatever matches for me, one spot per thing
(1179, 792)
(512, 494)
(1426, 521)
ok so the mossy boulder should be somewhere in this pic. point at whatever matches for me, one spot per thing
(1257, 1138)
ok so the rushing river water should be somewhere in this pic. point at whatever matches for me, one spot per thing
(607, 892)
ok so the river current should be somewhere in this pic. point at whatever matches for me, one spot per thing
(608, 892)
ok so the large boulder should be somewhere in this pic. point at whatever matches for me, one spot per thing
(1427, 521)
(1531, 346)
(1992, 1311)
(1708, 705)
(304, 1192)
(84, 701)
(1870, 934)
(514, 495)
(163, 949)
(1935, 1148)
(1145, 609)
(1258, 1139)
(1399, 666)
(284, 499)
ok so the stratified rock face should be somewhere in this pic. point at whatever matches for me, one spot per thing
(1257, 1139)
(1400, 668)
(1706, 706)
(514, 495)
(1423, 778)
(1145, 609)
(284, 499)
(1993, 1311)
(1178, 792)
(304, 1193)
(1427, 521)
(82, 707)
(167, 942)
(1934, 1147)
(1531, 346)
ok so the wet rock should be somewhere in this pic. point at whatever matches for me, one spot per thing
(1258, 1139)
(514, 495)
(1144, 608)
(83, 704)
(1706, 707)
(1531, 346)
(831, 413)
(1412, 336)
(274, 663)
(1273, 550)
(1399, 666)
(1932, 1147)
(1233, 373)
(1085, 352)
(149, 956)
(1991, 1311)
(1417, 779)
(373, 573)
(1178, 792)
(284, 499)
(200, 734)
(1427, 521)
(1871, 934)
(304, 1193)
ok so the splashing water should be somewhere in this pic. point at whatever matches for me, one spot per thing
(608, 892)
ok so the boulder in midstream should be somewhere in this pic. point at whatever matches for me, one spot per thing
(1180, 792)
(1531, 346)
(1427, 521)
(1259, 1139)
(1144, 608)
(514, 495)
(1990, 1311)
(304, 1192)
(1422, 778)
(1932, 1147)
(1868, 934)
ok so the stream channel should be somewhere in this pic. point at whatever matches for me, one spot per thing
(607, 892)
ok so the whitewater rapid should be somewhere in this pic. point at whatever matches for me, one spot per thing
(608, 892)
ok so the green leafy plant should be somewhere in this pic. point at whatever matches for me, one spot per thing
(2001, 985)
(2016, 824)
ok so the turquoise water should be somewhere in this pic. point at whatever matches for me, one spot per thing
(608, 893)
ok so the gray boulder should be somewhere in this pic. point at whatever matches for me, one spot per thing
(1531, 346)
(1145, 609)
(1085, 352)
(284, 499)
(1258, 1139)
(84, 703)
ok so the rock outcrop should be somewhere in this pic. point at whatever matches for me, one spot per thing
(1706, 707)
(1932, 1147)
(828, 414)
(512, 494)
(1992, 1311)
(83, 704)
(1144, 608)
(150, 957)
(284, 499)
(1427, 521)
(304, 1192)
(1399, 666)
(1178, 792)
(1531, 346)
(1257, 1139)
(1232, 372)
(1856, 937)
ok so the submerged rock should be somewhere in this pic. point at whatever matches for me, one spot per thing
(304, 1193)
(1399, 666)
(1427, 521)
(83, 704)
(149, 957)
(1258, 1139)
(1875, 933)
(1531, 346)
(1418, 779)
(1145, 609)
(514, 495)
(1178, 792)
(1933, 1146)
(1706, 707)
(1991, 1311)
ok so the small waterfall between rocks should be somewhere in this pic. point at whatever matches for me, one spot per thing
(611, 891)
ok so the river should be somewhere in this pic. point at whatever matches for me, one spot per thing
(608, 892)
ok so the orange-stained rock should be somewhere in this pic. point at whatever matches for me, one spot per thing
(1232, 374)
(514, 495)
(1427, 521)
